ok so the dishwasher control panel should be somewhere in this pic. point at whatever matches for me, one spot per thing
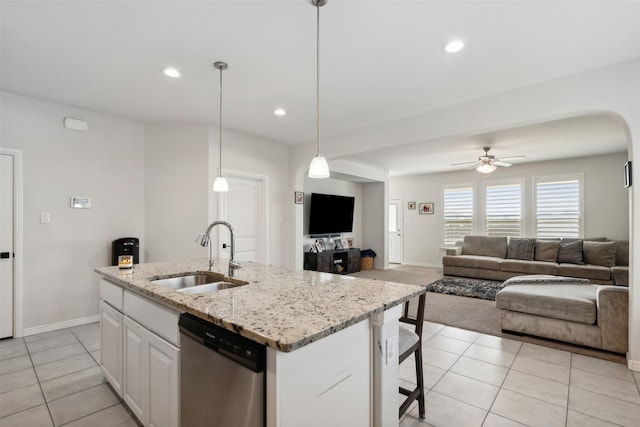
(229, 344)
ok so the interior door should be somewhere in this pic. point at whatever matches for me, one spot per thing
(395, 231)
(243, 207)
(6, 245)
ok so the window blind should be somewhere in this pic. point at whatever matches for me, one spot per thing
(558, 209)
(458, 214)
(503, 210)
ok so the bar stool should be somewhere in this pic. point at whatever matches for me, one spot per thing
(410, 341)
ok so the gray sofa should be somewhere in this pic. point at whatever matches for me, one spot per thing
(601, 261)
(575, 312)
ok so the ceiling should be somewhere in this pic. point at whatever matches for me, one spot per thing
(380, 61)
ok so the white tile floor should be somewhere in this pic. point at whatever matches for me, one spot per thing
(471, 379)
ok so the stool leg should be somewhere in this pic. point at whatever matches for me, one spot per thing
(420, 381)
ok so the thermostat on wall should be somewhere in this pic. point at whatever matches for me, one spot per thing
(76, 124)
(80, 202)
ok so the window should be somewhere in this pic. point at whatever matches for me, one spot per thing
(503, 207)
(558, 207)
(457, 214)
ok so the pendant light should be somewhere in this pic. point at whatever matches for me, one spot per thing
(220, 185)
(319, 168)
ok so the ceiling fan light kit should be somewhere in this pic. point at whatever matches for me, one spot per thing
(488, 163)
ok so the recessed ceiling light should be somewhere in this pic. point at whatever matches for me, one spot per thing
(453, 46)
(171, 72)
(280, 112)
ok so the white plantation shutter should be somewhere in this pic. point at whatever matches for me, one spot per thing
(458, 214)
(503, 210)
(558, 208)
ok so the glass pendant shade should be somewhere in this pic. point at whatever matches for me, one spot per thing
(319, 168)
(486, 168)
(220, 185)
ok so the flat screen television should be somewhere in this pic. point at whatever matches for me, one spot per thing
(330, 214)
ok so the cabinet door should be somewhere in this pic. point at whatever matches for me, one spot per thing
(163, 385)
(111, 345)
(354, 260)
(325, 262)
(135, 368)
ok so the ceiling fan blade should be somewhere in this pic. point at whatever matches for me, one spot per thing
(464, 163)
(501, 163)
(473, 167)
(511, 158)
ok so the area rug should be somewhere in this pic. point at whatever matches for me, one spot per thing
(464, 287)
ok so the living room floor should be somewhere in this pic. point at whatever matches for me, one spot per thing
(471, 379)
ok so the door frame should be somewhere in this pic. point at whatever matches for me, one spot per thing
(400, 221)
(18, 197)
(217, 207)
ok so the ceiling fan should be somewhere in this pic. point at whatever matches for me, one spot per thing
(488, 163)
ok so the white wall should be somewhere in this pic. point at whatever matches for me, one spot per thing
(176, 190)
(105, 164)
(606, 203)
(375, 221)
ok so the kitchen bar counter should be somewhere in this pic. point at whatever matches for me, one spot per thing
(282, 308)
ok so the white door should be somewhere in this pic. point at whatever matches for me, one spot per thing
(244, 208)
(395, 231)
(6, 245)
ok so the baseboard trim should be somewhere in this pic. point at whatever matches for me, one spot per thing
(60, 325)
(422, 264)
(634, 365)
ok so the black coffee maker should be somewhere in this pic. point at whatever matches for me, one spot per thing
(126, 246)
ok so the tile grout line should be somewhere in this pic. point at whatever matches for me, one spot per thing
(40, 385)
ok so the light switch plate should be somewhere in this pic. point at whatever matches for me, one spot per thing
(391, 349)
(80, 202)
(45, 218)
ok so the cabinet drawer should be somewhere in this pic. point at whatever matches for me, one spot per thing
(111, 293)
(152, 316)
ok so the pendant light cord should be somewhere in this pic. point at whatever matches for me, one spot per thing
(318, 78)
(220, 127)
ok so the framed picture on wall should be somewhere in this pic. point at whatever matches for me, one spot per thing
(426, 208)
(411, 206)
(299, 197)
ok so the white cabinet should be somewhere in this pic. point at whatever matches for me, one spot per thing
(163, 384)
(135, 362)
(150, 376)
(141, 357)
(111, 327)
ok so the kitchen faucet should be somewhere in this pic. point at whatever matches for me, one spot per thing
(206, 239)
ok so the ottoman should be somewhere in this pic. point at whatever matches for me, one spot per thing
(574, 312)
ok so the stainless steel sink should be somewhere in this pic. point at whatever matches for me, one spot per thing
(187, 281)
(196, 283)
(210, 287)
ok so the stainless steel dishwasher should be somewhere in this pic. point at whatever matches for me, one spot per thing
(222, 377)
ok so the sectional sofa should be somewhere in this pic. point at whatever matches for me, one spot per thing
(602, 261)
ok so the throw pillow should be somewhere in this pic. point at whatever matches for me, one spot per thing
(599, 253)
(521, 249)
(622, 252)
(547, 250)
(570, 253)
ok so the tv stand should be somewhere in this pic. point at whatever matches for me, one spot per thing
(341, 261)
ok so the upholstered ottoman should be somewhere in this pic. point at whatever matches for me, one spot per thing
(574, 312)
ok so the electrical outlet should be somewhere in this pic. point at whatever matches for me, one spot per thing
(391, 349)
(45, 218)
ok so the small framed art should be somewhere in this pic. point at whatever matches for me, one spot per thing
(411, 206)
(299, 197)
(426, 208)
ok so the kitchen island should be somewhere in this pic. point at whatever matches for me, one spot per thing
(331, 340)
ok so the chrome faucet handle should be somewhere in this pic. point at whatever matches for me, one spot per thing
(233, 266)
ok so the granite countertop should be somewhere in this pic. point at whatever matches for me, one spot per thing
(283, 308)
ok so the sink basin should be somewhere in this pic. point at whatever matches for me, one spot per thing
(188, 281)
(209, 287)
(196, 283)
